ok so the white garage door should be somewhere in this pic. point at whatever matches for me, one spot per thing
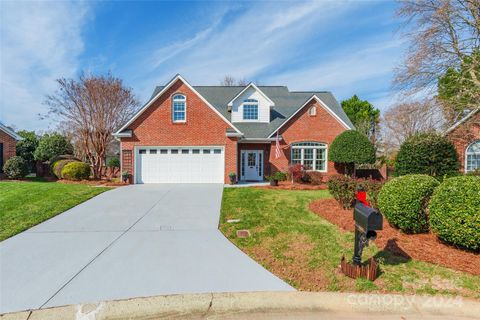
(179, 165)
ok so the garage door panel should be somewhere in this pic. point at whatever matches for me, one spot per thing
(195, 165)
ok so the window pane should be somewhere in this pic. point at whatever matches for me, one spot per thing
(217, 151)
(320, 165)
(296, 154)
(174, 151)
(251, 159)
(195, 151)
(163, 151)
(320, 154)
(185, 151)
(206, 151)
(250, 111)
(308, 164)
(142, 151)
(153, 151)
(308, 154)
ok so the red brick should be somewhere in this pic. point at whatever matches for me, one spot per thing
(9, 145)
(463, 135)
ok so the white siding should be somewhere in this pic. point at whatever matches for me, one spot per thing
(263, 106)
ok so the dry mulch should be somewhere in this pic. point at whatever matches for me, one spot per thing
(425, 247)
(288, 185)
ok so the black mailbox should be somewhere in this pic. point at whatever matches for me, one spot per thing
(367, 218)
(367, 221)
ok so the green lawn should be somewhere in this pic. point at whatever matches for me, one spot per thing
(25, 204)
(305, 250)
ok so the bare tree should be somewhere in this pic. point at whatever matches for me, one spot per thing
(406, 119)
(91, 109)
(230, 81)
(442, 33)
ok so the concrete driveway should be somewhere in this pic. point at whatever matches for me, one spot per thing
(133, 241)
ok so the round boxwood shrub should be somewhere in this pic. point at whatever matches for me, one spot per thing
(404, 200)
(427, 153)
(58, 166)
(76, 171)
(15, 168)
(455, 211)
(351, 147)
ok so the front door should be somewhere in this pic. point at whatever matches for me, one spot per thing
(252, 165)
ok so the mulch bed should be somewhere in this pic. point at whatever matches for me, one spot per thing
(103, 183)
(425, 247)
(288, 185)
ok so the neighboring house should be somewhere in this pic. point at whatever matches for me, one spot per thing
(465, 135)
(8, 144)
(202, 133)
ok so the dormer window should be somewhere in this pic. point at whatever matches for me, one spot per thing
(179, 108)
(250, 109)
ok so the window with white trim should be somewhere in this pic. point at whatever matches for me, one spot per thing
(313, 111)
(179, 108)
(312, 155)
(250, 109)
(472, 157)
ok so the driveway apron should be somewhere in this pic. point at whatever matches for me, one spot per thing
(133, 241)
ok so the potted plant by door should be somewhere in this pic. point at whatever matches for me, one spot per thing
(277, 176)
(125, 176)
(233, 177)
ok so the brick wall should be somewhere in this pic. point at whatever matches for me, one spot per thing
(464, 135)
(204, 127)
(302, 127)
(9, 146)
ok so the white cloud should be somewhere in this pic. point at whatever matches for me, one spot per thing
(263, 36)
(40, 42)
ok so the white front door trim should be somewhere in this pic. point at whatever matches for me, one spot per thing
(252, 171)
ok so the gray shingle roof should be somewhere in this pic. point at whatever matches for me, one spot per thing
(286, 103)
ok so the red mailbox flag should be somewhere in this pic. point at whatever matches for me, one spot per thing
(362, 197)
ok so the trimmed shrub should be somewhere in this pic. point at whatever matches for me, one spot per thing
(314, 177)
(26, 147)
(403, 201)
(344, 190)
(427, 153)
(15, 168)
(455, 211)
(76, 171)
(351, 147)
(52, 145)
(280, 176)
(58, 166)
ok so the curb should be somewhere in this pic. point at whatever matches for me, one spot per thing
(216, 304)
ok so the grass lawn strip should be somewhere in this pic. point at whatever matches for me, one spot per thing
(305, 249)
(25, 204)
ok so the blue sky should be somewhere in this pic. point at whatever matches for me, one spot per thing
(347, 47)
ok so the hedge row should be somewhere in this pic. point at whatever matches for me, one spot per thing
(417, 203)
(70, 169)
(344, 189)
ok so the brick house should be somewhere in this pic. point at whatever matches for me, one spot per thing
(8, 144)
(190, 133)
(465, 135)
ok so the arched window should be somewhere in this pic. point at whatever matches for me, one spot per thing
(312, 155)
(313, 111)
(250, 109)
(472, 157)
(179, 108)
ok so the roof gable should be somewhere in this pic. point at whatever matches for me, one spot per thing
(10, 132)
(459, 122)
(251, 85)
(163, 90)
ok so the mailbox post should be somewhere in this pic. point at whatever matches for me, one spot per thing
(367, 222)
